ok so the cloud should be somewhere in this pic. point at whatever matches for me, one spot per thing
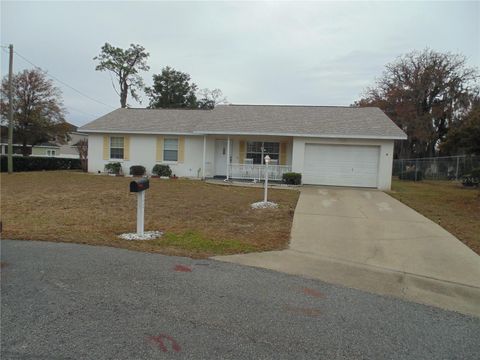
(321, 53)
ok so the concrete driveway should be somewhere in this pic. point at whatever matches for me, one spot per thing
(367, 240)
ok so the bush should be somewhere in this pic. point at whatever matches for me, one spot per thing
(137, 170)
(292, 178)
(472, 179)
(113, 168)
(37, 163)
(475, 173)
(414, 175)
(162, 170)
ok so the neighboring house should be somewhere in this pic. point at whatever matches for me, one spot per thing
(64, 149)
(46, 149)
(17, 147)
(328, 145)
(69, 149)
(54, 148)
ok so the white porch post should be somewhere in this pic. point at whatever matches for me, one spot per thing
(204, 155)
(228, 156)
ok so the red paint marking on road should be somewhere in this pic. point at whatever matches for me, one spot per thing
(158, 340)
(182, 268)
(313, 292)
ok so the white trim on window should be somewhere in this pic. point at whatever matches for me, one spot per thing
(116, 147)
(170, 147)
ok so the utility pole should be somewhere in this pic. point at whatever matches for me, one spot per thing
(10, 111)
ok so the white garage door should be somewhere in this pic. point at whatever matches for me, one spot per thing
(341, 165)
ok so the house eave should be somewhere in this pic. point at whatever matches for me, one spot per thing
(136, 132)
(337, 136)
(241, 133)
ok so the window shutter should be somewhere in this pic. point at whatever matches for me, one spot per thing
(283, 153)
(106, 147)
(181, 149)
(242, 152)
(159, 148)
(126, 147)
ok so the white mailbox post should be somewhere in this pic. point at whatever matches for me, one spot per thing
(139, 187)
(140, 212)
(267, 160)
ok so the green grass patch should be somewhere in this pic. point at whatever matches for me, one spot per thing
(448, 203)
(193, 241)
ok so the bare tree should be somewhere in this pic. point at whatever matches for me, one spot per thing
(38, 113)
(208, 99)
(125, 65)
(425, 93)
(82, 148)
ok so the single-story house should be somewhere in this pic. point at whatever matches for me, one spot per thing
(328, 145)
(64, 148)
(48, 148)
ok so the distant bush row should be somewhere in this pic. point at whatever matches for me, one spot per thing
(37, 163)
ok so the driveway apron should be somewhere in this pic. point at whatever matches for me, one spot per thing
(367, 240)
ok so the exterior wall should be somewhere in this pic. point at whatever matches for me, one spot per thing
(39, 151)
(385, 160)
(42, 151)
(143, 149)
(143, 152)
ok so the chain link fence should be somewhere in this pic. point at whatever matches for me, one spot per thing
(438, 168)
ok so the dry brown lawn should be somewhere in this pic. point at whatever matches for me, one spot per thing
(455, 208)
(199, 219)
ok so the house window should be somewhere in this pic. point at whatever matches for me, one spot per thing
(170, 150)
(257, 150)
(51, 152)
(116, 147)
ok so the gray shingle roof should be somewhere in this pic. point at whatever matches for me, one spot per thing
(316, 121)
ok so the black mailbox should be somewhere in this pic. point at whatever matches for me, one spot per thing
(139, 185)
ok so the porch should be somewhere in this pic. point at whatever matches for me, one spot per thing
(257, 171)
(242, 158)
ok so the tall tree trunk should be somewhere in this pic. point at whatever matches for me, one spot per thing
(123, 98)
(123, 93)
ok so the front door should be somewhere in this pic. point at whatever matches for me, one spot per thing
(221, 157)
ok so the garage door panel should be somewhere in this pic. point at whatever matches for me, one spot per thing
(341, 165)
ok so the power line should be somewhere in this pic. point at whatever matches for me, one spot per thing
(81, 111)
(60, 81)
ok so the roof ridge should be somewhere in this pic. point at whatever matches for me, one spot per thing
(300, 105)
(256, 105)
(135, 108)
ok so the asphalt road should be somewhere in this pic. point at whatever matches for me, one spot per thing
(66, 301)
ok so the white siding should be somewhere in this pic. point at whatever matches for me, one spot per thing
(143, 152)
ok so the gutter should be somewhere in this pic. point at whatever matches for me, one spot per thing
(203, 133)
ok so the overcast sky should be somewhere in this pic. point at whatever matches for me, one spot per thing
(314, 53)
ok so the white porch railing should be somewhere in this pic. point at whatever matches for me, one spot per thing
(257, 171)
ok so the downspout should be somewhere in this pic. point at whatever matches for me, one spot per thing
(204, 155)
(228, 156)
